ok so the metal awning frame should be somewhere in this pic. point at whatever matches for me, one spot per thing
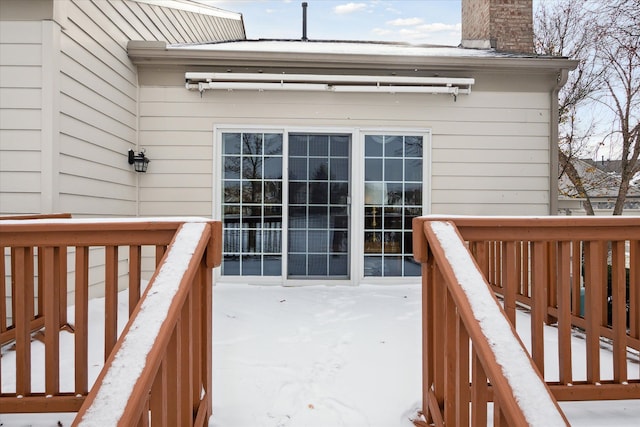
(203, 81)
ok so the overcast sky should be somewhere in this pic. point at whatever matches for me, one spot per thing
(412, 21)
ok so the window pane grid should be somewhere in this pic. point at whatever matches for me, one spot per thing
(318, 205)
(393, 197)
(252, 203)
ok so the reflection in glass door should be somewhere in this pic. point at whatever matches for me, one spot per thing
(318, 236)
(393, 192)
(252, 203)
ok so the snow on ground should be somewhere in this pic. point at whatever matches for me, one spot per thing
(318, 356)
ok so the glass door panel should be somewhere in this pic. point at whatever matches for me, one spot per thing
(318, 206)
(252, 203)
(393, 191)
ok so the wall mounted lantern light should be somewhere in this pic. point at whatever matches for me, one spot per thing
(139, 161)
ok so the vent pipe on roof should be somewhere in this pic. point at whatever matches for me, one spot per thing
(304, 21)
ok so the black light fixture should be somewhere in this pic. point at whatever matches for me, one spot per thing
(139, 161)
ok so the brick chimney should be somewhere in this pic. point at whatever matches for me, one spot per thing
(505, 25)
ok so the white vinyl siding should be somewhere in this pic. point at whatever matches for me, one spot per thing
(20, 117)
(492, 141)
(98, 96)
(68, 100)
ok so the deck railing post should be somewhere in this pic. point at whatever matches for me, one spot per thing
(427, 334)
(463, 392)
(135, 275)
(50, 285)
(439, 338)
(552, 281)
(564, 290)
(3, 298)
(509, 279)
(634, 290)
(110, 299)
(450, 358)
(540, 275)
(81, 329)
(593, 293)
(22, 272)
(619, 312)
(207, 339)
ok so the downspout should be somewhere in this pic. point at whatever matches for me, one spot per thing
(553, 135)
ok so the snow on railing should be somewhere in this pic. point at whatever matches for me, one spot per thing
(40, 255)
(461, 315)
(537, 404)
(161, 363)
(576, 275)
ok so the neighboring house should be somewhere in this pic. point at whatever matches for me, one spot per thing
(315, 154)
(609, 166)
(601, 180)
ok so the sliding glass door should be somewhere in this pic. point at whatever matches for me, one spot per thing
(319, 205)
(287, 204)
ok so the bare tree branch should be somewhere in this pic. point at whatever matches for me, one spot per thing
(604, 38)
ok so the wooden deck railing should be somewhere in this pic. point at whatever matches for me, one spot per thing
(174, 376)
(544, 265)
(7, 329)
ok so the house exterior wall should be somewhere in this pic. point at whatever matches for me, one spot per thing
(69, 98)
(486, 153)
(99, 95)
(490, 149)
(21, 115)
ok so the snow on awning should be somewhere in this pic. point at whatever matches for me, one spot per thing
(328, 82)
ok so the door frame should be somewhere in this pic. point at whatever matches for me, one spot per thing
(356, 188)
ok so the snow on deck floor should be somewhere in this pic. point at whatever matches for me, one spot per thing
(320, 356)
(316, 356)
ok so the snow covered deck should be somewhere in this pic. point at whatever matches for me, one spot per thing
(351, 356)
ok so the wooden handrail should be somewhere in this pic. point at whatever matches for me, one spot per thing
(472, 314)
(552, 228)
(579, 272)
(117, 248)
(35, 216)
(120, 393)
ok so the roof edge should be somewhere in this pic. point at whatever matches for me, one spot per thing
(195, 7)
(159, 53)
